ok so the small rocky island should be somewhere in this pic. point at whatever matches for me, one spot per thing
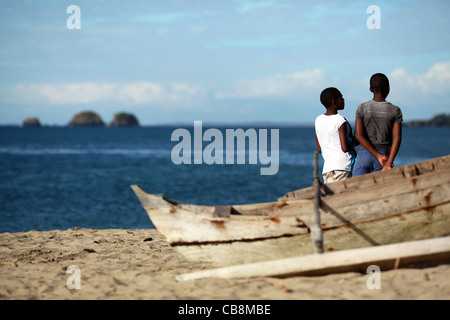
(123, 119)
(31, 122)
(440, 120)
(86, 119)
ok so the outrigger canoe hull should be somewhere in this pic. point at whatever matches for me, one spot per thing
(403, 204)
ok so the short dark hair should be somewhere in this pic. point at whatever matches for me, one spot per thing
(328, 95)
(379, 83)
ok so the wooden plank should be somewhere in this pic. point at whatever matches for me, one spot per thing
(404, 195)
(182, 227)
(416, 225)
(376, 178)
(411, 188)
(339, 194)
(385, 257)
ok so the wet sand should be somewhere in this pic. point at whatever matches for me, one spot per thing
(139, 264)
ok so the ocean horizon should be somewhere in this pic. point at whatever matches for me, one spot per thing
(59, 177)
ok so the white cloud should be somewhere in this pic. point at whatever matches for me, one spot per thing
(172, 95)
(144, 92)
(274, 86)
(141, 92)
(435, 81)
(66, 93)
(172, 17)
(245, 6)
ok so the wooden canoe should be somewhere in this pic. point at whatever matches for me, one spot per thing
(407, 203)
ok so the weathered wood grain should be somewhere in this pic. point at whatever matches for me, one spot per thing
(385, 257)
(412, 203)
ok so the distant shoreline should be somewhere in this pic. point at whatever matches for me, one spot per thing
(184, 125)
(440, 120)
(409, 124)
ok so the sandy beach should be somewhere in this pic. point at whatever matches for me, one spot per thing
(139, 264)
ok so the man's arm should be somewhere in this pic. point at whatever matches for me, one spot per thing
(360, 134)
(397, 133)
(318, 145)
(343, 138)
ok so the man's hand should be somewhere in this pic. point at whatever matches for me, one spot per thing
(387, 167)
(382, 159)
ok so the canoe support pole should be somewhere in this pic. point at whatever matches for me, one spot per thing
(316, 230)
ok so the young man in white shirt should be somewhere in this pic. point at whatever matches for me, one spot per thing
(334, 138)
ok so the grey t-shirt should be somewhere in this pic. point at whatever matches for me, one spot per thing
(378, 119)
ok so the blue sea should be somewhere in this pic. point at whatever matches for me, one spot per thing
(60, 177)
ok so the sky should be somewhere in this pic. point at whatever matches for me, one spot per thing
(218, 61)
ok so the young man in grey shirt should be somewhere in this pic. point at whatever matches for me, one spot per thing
(378, 129)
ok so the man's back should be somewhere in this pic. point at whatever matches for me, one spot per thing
(378, 119)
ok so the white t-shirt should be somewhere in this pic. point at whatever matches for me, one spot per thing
(327, 131)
